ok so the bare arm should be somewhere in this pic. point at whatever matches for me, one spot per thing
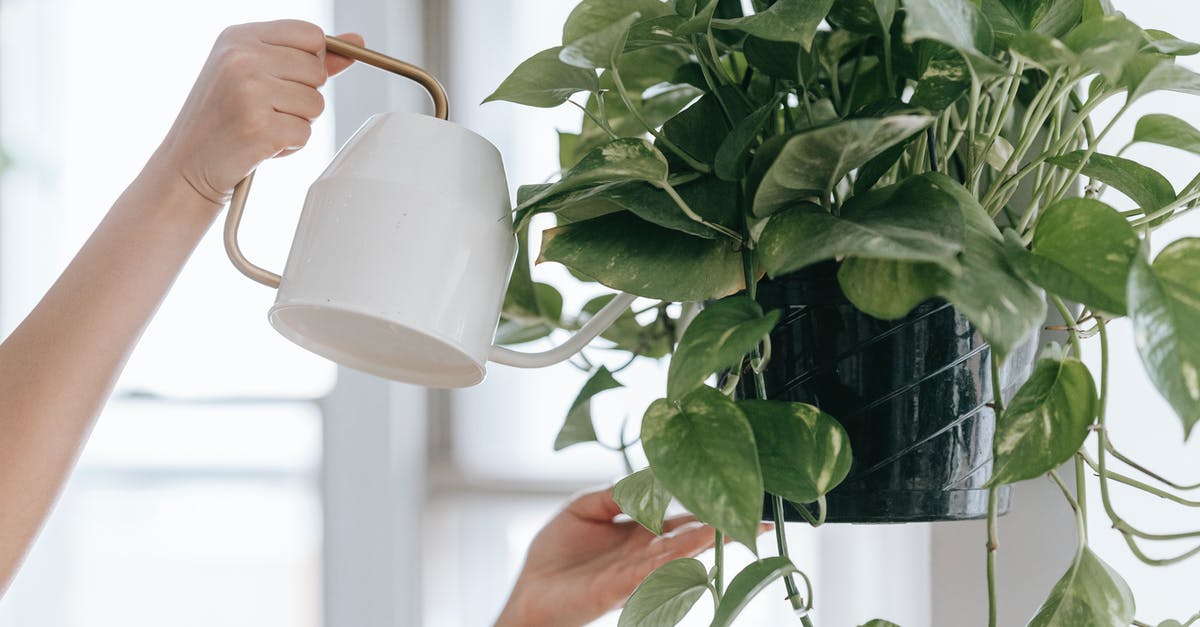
(254, 100)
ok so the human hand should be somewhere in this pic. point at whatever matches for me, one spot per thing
(254, 99)
(584, 563)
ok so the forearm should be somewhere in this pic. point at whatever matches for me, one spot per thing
(59, 366)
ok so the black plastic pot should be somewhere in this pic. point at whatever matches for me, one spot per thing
(912, 393)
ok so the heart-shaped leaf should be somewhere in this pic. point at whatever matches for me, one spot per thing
(643, 499)
(730, 161)
(803, 452)
(1046, 422)
(918, 223)
(1096, 274)
(794, 21)
(1167, 130)
(1164, 303)
(702, 449)
(709, 197)
(719, 336)
(1149, 73)
(746, 585)
(1149, 189)
(628, 159)
(631, 255)
(590, 16)
(957, 23)
(578, 426)
(945, 79)
(1090, 593)
(600, 49)
(1166, 43)
(699, 129)
(544, 80)
(879, 622)
(666, 595)
(1005, 308)
(813, 161)
(1012, 17)
(1106, 44)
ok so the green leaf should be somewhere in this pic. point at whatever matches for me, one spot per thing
(1097, 8)
(655, 31)
(600, 49)
(1095, 274)
(945, 79)
(1166, 43)
(717, 338)
(1044, 52)
(709, 197)
(643, 499)
(578, 427)
(629, 254)
(1170, 623)
(813, 161)
(1149, 73)
(590, 16)
(1167, 130)
(628, 159)
(520, 301)
(1164, 304)
(702, 449)
(803, 452)
(957, 23)
(700, 22)
(1012, 17)
(544, 81)
(568, 144)
(510, 332)
(747, 584)
(1046, 422)
(794, 21)
(1090, 593)
(699, 129)
(1149, 189)
(666, 595)
(886, 289)
(879, 622)
(1005, 308)
(779, 59)
(730, 160)
(919, 223)
(1105, 44)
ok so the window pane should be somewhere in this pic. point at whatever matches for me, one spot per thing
(183, 515)
(106, 115)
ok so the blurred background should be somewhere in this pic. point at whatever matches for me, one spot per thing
(236, 480)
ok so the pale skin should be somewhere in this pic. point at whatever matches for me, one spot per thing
(254, 100)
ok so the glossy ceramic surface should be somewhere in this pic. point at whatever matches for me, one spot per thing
(912, 393)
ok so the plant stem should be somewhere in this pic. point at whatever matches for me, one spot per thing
(993, 542)
(670, 145)
(1153, 475)
(719, 565)
(599, 121)
(760, 392)
(1077, 509)
(687, 210)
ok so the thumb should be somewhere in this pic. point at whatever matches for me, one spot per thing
(335, 63)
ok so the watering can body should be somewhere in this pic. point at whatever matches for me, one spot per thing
(403, 251)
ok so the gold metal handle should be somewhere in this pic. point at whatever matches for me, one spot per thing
(237, 204)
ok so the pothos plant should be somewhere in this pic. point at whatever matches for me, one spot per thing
(932, 149)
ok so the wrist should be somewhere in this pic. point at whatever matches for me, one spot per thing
(517, 611)
(166, 177)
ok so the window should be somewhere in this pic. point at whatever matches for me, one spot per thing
(203, 473)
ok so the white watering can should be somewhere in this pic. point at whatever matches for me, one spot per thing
(403, 250)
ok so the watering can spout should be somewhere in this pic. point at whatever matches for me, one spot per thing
(594, 327)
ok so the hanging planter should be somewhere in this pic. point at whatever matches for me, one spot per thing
(913, 394)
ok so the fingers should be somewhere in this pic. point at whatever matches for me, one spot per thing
(293, 64)
(291, 135)
(291, 33)
(596, 505)
(295, 99)
(675, 522)
(334, 63)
